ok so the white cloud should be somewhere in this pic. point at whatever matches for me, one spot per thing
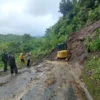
(28, 16)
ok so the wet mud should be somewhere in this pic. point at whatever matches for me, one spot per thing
(50, 80)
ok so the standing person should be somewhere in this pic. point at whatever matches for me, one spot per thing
(28, 56)
(5, 59)
(22, 58)
(12, 63)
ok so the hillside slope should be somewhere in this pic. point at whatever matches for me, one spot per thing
(76, 44)
(76, 40)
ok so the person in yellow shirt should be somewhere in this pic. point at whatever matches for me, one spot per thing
(22, 58)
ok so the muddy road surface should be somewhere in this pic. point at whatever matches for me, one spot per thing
(50, 80)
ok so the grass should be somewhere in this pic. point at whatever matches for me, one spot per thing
(92, 87)
(1, 65)
(91, 73)
(91, 76)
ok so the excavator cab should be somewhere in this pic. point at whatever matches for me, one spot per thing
(62, 51)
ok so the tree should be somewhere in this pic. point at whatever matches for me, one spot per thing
(87, 3)
(15, 46)
(65, 7)
(48, 30)
(26, 37)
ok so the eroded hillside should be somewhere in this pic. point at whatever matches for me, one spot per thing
(76, 41)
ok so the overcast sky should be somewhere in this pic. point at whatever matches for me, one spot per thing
(28, 16)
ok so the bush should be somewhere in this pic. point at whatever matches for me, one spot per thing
(94, 15)
(93, 68)
(95, 44)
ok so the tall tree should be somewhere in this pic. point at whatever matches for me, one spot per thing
(88, 3)
(65, 7)
(26, 37)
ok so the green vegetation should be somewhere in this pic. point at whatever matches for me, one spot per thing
(76, 15)
(91, 74)
(95, 44)
(92, 86)
(93, 67)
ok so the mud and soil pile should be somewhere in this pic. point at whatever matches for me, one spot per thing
(52, 55)
(76, 41)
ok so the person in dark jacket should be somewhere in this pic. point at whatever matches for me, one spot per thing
(28, 56)
(12, 63)
(5, 59)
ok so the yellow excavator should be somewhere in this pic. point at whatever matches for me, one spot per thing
(62, 51)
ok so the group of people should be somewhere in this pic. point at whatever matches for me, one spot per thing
(10, 59)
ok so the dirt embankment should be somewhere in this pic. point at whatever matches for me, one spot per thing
(76, 41)
(52, 55)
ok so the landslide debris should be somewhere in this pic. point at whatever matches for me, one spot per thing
(76, 40)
